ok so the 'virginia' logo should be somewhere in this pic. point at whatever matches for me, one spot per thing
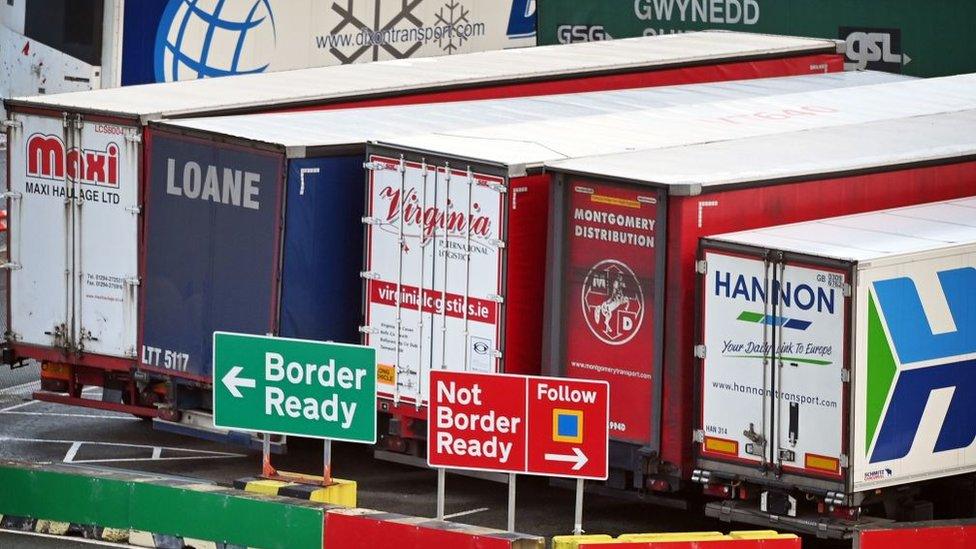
(431, 218)
(904, 373)
(48, 159)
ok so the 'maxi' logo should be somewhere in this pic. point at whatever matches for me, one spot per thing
(48, 159)
(903, 372)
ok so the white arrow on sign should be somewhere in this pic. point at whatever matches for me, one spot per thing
(579, 458)
(232, 382)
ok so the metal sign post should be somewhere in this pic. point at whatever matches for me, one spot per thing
(440, 493)
(326, 462)
(578, 521)
(511, 502)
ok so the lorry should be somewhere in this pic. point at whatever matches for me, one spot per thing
(625, 313)
(456, 262)
(77, 174)
(57, 46)
(836, 366)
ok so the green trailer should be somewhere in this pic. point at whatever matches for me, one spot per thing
(914, 37)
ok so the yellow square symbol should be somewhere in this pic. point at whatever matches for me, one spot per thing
(567, 425)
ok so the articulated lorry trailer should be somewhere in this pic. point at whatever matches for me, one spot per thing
(468, 205)
(622, 275)
(306, 284)
(838, 362)
(78, 166)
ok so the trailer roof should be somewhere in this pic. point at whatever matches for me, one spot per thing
(297, 132)
(822, 152)
(384, 78)
(874, 235)
(520, 147)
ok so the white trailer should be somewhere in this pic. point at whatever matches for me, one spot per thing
(839, 361)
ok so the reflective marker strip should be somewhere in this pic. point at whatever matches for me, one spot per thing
(722, 446)
(823, 463)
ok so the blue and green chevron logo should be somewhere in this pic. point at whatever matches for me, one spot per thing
(897, 388)
(773, 320)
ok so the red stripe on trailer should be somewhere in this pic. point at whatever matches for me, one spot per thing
(757, 206)
(528, 216)
(941, 535)
(741, 70)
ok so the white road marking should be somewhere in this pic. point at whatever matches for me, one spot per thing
(72, 452)
(66, 538)
(468, 512)
(56, 414)
(16, 406)
(156, 450)
(18, 388)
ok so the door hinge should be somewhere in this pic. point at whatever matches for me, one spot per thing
(371, 275)
(844, 461)
(845, 375)
(133, 137)
(374, 166)
(367, 330)
(133, 281)
(700, 351)
(698, 436)
(847, 289)
(701, 266)
(134, 210)
(11, 266)
(12, 124)
(496, 298)
(372, 221)
(12, 195)
(498, 188)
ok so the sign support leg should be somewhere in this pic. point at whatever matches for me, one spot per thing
(440, 493)
(326, 462)
(511, 502)
(578, 522)
(267, 470)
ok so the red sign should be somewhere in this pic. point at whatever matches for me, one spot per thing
(518, 424)
(609, 297)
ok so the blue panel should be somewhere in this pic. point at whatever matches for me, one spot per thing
(211, 249)
(139, 25)
(909, 326)
(323, 251)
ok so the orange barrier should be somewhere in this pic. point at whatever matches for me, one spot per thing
(952, 534)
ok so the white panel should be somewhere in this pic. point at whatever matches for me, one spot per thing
(39, 230)
(107, 234)
(436, 216)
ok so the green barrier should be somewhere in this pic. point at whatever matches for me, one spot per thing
(157, 504)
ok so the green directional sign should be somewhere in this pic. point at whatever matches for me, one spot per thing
(294, 387)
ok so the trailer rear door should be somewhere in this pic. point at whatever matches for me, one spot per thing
(773, 362)
(106, 225)
(40, 230)
(434, 272)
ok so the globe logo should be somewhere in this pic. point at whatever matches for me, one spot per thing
(208, 38)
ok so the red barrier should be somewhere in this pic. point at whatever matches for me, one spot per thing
(794, 543)
(920, 535)
(364, 529)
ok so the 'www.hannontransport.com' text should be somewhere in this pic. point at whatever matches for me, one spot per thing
(788, 397)
(369, 37)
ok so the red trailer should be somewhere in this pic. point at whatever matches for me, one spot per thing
(75, 271)
(624, 237)
(463, 212)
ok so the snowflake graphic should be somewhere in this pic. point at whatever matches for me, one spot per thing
(376, 30)
(456, 16)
